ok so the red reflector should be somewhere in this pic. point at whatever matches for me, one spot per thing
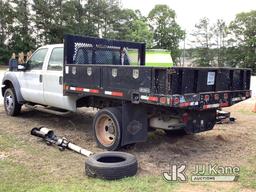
(94, 91)
(224, 104)
(176, 100)
(163, 100)
(118, 94)
(79, 89)
(184, 104)
(206, 97)
(151, 98)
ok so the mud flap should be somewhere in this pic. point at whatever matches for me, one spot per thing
(200, 121)
(134, 124)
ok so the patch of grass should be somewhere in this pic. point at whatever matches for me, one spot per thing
(23, 176)
(159, 64)
(8, 142)
(248, 174)
(17, 177)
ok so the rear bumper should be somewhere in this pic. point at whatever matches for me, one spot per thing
(202, 101)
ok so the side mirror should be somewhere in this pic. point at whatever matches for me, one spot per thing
(21, 67)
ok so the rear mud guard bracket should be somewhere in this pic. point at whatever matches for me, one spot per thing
(134, 124)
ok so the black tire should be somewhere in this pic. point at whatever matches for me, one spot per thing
(101, 137)
(111, 165)
(11, 105)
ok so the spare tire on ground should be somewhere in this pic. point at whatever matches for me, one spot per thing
(111, 165)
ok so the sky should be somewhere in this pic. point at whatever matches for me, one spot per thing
(189, 12)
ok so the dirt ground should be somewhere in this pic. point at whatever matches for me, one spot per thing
(227, 144)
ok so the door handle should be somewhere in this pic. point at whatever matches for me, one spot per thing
(60, 80)
(40, 78)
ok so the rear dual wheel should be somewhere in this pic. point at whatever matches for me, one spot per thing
(107, 128)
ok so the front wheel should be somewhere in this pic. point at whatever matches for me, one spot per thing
(107, 128)
(11, 105)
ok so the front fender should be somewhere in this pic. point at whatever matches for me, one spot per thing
(10, 79)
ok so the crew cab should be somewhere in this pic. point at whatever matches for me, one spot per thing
(110, 75)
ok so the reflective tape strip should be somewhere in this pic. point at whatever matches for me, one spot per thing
(149, 98)
(80, 89)
(224, 104)
(211, 106)
(144, 97)
(117, 94)
(107, 92)
(114, 93)
(94, 91)
(193, 103)
(236, 99)
(87, 90)
(186, 104)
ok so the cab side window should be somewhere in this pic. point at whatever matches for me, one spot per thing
(56, 59)
(37, 60)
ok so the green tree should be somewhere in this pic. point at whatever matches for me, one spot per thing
(219, 31)
(48, 19)
(167, 32)
(202, 42)
(243, 38)
(131, 26)
(6, 20)
(22, 39)
(75, 19)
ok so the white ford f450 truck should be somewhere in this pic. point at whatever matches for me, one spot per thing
(110, 75)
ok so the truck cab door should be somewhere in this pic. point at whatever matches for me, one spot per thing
(31, 80)
(53, 82)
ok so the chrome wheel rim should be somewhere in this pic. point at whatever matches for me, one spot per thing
(9, 102)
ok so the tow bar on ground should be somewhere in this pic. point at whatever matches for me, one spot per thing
(106, 165)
